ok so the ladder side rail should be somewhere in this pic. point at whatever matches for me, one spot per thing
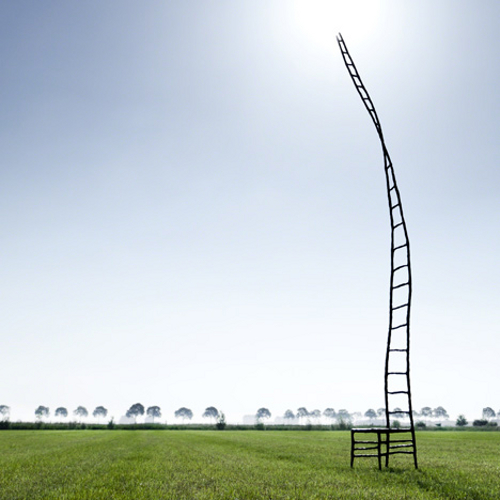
(409, 299)
(387, 168)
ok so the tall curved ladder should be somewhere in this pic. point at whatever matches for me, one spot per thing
(397, 359)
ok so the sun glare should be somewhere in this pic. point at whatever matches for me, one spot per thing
(321, 20)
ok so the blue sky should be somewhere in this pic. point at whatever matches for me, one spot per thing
(193, 209)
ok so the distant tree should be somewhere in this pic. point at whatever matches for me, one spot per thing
(330, 414)
(440, 412)
(302, 413)
(480, 423)
(381, 412)
(61, 412)
(186, 414)
(42, 412)
(488, 413)
(289, 415)
(344, 419)
(81, 412)
(136, 410)
(211, 412)
(426, 411)
(99, 412)
(153, 412)
(221, 422)
(262, 414)
(316, 414)
(461, 421)
(4, 412)
(371, 414)
(398, 413)
(343, 416)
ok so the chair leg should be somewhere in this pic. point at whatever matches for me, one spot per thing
(352, 449)
(379, 451)
(387, 437)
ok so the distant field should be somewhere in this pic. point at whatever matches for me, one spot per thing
(142, 464)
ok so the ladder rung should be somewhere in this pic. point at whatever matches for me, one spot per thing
(399, 307)
(395, 206)
(400, 286)
(399, 326)
(400, 267)
(398, 350)
(397, 412)
(401, 246)
(397, 373)
(397, 392)
(398, 224)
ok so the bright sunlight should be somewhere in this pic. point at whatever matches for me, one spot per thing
(321, 20)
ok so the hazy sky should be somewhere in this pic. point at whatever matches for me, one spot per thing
(193, 206)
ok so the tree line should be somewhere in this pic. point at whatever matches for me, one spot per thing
(301, 415)
(135, 411)
(371, 414)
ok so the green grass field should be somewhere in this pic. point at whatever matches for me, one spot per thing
(239, 465)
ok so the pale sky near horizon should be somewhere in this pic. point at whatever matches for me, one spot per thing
(193, 207)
